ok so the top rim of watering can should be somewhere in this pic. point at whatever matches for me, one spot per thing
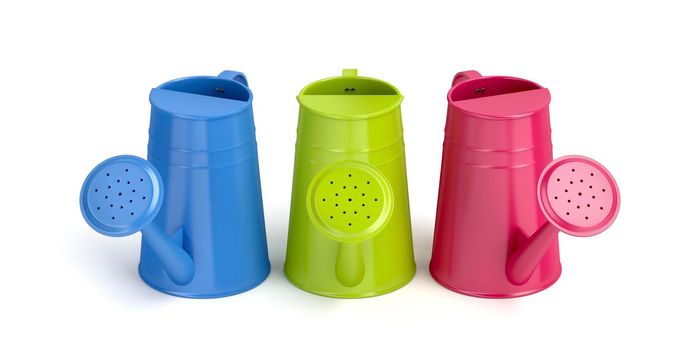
(521, 98)
(197, 97)
(338, 86)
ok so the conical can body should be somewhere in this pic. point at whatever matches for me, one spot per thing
(202, 141)
(497, 142)
(350, 229)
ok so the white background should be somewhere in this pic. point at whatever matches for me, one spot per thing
(74, 84)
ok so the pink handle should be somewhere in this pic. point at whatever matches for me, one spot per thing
(466, 75)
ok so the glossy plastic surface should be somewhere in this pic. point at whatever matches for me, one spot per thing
(578, 195)
(497, 142)
(350, 202)
(350, 143)
(202, 141)
(121, 196)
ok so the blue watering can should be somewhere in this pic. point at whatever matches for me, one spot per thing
(197, 200)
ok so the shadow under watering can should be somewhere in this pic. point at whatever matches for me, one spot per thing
(197, 200)
(349, 230)
(502, 200)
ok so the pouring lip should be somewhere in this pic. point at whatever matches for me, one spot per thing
(453, 103)
(395, 92)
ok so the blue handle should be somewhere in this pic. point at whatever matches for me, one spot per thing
(233, 75)
(175, 260)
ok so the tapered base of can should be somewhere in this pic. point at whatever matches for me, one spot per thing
(337, 295)
(495, 295)
(193, 295)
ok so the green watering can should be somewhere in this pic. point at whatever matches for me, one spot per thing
(350, 227)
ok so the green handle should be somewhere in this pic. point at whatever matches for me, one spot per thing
(350, 72)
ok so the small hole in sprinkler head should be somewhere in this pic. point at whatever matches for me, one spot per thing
(336, 195)
(368, 182)
(343, 211)
(568, 200)
(579, 193)
(133, 191)
(578, 207)
(95, 190)
(355, 211)
(112, 217)
(363, 204)
(573, 170)
(126, 170)
(603, 190)
(601, 208)
(571, 182)
(343, 187)
(141, 180)
(98, 208)
(131, 201)
(591, 174)
(118, 180)
(375, 199)
(566, 190)
(558, 179)
(106, 197)
(591, 186)
(111, 205)
(586, 217)
(581, 180)
(144, 197)
(363, 195)
(323, 199)
(349, 199)
(132, 213)
(128, 182)
(588, 205)
(593, 197)
(336, 204)
(107, 174)
(555, 197)
(349, 223)
(120, 193)
(109, 187)
(349, 175)
(331, 216)
(331, 182)
(368, 216)
(567, 213)
(121, 207)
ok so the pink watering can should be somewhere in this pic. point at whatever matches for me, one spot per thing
(502, 200)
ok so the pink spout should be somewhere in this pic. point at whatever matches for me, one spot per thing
(523, 262)
(596, 189)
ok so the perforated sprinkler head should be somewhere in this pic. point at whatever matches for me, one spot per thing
(578, 195)
(350, 201)
(121, 195)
